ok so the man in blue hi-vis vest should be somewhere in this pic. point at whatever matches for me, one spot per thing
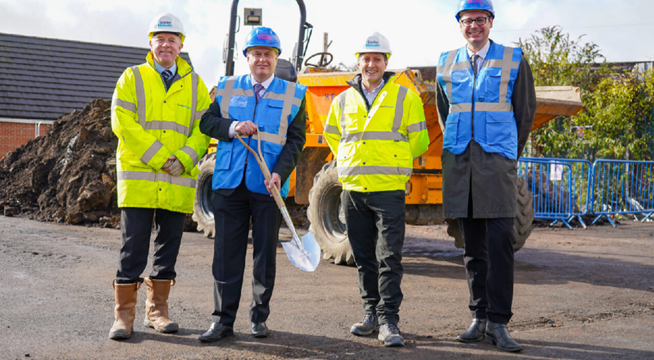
(258, 102)
(486, 103)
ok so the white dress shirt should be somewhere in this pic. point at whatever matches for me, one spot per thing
(482, 54)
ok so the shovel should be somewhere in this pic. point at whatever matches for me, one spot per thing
(303, 252)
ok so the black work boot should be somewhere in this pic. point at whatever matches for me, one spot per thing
(475, 332)
(365, 326)
(498, 334)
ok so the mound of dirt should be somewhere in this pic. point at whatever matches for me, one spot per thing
(68, 175)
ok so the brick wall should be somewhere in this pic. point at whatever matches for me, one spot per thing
(13, 135)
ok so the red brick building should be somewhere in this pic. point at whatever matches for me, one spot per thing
(17, 132)
(42, 79)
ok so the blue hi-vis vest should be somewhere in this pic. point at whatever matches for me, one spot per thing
(480, 108)
(272, 114)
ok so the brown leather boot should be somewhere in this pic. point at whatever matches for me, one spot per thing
(156, 306)
(125, 310)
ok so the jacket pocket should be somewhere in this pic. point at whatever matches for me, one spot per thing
(351, 118)
(500, 129)
(492, 84)
(273, 116)
(397, 155)
(451, 132)
(224, 155)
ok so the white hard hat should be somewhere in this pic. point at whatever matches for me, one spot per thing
(375, 43)
(167, 22)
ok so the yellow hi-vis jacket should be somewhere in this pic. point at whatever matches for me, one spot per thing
(151, 124)
(375, 148)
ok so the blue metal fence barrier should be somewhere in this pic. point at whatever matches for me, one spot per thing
(622, 187)
(560, 187)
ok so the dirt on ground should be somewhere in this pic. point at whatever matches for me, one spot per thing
(579, 294)
(68, 175)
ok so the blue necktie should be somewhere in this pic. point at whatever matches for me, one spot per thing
(167, 75)
(257, 91)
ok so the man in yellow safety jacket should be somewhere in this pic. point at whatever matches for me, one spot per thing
(156, 111)
(375, 129)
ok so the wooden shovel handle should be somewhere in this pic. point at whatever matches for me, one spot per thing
(264, 169)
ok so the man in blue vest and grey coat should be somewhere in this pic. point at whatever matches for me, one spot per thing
(486, 103)
(274, 108)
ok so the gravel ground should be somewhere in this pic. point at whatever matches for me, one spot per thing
(579, 294)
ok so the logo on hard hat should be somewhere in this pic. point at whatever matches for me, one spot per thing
(474, 1)
(264, 37)
(372, 43)
(165, 22)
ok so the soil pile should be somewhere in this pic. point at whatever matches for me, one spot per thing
(68, 175)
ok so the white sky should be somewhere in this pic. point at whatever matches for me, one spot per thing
(418, 30)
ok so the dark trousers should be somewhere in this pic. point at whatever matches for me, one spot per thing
(232, 212)
(136, 228)
(375, 228)
(488, 258)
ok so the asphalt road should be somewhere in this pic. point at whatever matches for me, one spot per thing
(579, 294)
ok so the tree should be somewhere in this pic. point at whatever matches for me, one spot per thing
(618, 106)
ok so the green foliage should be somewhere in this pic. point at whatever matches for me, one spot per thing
(620, 112)
(558, 61)
(617, 120)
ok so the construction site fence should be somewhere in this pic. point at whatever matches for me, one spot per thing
(622, 187)
(564, 189)
(561, 187)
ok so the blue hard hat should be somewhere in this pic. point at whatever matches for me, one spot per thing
(262, 36)
(482, 5)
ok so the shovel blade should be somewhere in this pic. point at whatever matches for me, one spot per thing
(306, 257)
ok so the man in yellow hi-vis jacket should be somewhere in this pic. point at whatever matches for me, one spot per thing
(375, 129)
(156, 111)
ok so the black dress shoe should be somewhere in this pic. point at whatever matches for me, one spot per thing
(216, 332)
(475, 332)
(498, 334)
(259, 330)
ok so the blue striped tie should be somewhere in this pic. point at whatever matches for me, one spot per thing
(167, 74)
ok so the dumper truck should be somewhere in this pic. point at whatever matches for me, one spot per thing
(315, 179)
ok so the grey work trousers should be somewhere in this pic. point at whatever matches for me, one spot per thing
(375, 227)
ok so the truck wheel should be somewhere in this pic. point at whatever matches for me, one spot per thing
(326, 217)
(524, 216)
(522, 224)
(202, 213)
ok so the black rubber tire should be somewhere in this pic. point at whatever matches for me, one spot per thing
(326, 217)
(522, 224)
(202, 213)
(524, 217)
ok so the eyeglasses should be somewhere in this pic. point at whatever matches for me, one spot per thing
(479, 21)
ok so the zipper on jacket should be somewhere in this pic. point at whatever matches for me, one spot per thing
(472, 112)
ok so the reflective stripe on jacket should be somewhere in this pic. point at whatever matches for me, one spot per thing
(272, 115)
(480, 107)
(152, 124)
(375, 148)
